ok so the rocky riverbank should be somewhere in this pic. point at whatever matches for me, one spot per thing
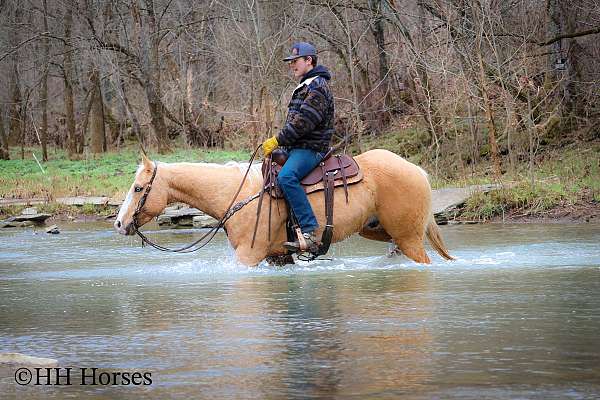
(448, 206)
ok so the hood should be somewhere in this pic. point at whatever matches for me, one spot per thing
(319, 70)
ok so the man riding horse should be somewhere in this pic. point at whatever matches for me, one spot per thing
(307, 134)
(387, 198)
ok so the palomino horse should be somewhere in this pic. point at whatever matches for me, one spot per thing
(392, 202)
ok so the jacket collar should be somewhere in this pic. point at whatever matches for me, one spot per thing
(305, 82)
(314, 73)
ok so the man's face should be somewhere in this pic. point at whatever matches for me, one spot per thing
(300, 66)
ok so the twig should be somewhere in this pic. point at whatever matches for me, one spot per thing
(38, 163)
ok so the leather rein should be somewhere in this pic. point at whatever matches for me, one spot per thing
(208, 236)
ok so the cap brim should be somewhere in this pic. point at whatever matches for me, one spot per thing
(290, 58)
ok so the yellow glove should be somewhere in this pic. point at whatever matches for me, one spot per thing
(269, 145)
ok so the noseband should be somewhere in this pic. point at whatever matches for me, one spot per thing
(142, 201)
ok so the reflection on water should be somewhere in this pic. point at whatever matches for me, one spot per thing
(516, 316)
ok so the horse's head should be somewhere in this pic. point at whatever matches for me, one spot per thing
(155, 201)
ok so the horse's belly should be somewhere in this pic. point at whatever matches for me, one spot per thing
(373, 230)
(348, 218)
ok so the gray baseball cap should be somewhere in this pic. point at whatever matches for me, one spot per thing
(301, 49)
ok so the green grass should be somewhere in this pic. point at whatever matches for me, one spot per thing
(408, 143)
(523, 197)
(105, 175)
(560, 179)
(54, 208)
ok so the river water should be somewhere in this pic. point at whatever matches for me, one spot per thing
(516, 316)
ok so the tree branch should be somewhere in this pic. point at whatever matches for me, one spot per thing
(24, 42)
(570, 36)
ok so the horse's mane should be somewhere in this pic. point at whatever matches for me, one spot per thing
(255, 170)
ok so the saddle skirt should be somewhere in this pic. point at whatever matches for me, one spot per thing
(341, 167)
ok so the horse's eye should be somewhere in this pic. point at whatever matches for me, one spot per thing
(138, 189)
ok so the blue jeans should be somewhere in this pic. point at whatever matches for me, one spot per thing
(299, 164)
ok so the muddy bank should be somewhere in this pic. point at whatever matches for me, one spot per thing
(584, 212)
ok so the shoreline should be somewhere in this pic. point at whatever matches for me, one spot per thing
(581, 213)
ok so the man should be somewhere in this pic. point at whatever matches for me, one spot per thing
(307, 134)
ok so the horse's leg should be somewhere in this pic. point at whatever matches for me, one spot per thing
(250, 256)
(408, 239)
(404, 241)
(406, 229)
(415, 251)
(280, 261)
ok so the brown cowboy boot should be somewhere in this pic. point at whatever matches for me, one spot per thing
(306, 242)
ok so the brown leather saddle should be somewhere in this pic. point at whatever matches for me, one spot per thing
(342, 168)
(334, 170)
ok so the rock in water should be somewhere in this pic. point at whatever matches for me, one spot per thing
(10, 363)
(25, 360)
(53, 230)
(11, 223)
(37, 218)
(163, 220)
(29, 211)
(205, 221)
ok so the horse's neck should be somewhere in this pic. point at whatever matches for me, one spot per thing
(208, 187)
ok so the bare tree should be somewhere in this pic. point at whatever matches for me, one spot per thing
(97, 132)
(4, 154)
(148, 35)
(44, 84)
(16, 117)
(68, 79)
(475, 81)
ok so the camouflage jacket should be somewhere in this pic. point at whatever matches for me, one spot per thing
(309, 122)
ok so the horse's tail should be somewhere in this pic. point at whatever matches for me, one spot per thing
(435, 239)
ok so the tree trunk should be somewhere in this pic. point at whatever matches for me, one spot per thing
(378, 31)
(44, 88)
(427, 100)
(562, 19)
(135, 124)
(97, 131)
(554, 28)
(4, 154)
(113, 136)
(15, 132)
(68, 82)
(150, 69)
(112, 116)
(487, 104)
(358, 123)
(15, 117)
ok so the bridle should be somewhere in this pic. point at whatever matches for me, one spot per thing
(208, 236)
(142, 201)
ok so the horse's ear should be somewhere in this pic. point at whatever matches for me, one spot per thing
(147, 163)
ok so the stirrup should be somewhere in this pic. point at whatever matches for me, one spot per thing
(306, 243)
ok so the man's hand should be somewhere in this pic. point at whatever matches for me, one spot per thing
(269, 145)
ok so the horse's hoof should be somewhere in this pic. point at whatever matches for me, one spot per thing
(395, 251)
(280, 261)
